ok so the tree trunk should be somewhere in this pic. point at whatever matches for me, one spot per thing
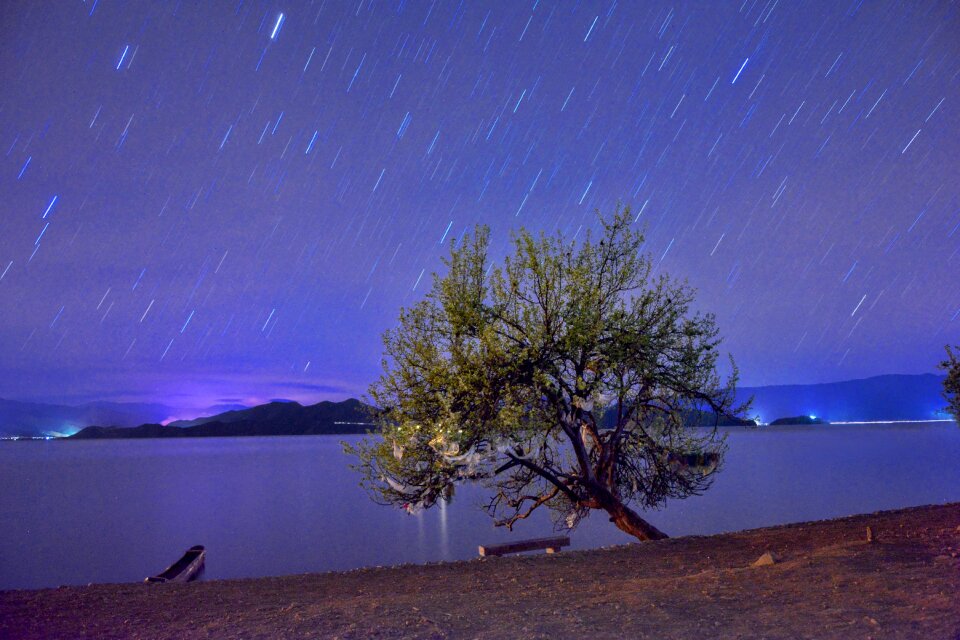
(624, 517)
(628, 521)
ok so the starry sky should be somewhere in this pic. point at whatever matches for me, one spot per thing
(230, 200)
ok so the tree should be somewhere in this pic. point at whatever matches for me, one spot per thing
(560, 379)
(951, 384)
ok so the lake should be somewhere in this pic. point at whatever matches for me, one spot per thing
(75, 512)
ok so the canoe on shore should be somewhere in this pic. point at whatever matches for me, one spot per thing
(185, 569)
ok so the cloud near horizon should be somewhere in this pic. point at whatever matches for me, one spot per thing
(177, 390)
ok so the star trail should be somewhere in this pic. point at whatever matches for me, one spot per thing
(232, 200)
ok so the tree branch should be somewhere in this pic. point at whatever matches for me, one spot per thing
(546, 475)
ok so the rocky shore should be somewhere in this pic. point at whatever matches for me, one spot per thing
(826, 581)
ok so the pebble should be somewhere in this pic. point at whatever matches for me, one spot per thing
(765, 560)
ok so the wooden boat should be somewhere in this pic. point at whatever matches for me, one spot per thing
(185, 569)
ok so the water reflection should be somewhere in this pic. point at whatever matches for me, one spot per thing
(117, 511)
(444, 535)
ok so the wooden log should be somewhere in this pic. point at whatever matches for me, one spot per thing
(552, 545)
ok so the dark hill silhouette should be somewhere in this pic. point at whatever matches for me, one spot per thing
(272, 419)
(32, 419)
(798, 420)
(887, 397)
(351, 410)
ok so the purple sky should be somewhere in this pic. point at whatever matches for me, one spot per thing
(209, 201)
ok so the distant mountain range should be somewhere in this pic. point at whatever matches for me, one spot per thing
(272, 419)
(887, 397)
(880, 398)
(35, 419)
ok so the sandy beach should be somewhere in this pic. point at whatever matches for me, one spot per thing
(828, 582)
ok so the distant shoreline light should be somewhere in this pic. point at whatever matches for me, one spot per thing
(893, 421)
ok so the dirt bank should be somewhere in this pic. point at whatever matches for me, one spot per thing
(829, 583)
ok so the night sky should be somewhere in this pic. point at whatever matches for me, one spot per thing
(230, 201)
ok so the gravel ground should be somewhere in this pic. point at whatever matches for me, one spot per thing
(828, 582)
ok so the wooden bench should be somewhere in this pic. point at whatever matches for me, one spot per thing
(552, 545)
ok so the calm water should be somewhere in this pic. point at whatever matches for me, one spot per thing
(117, 511)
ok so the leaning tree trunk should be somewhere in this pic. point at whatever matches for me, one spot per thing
(628, 521)
(625, 518)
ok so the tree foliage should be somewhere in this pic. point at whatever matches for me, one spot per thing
(560, 378)
(951, 384)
